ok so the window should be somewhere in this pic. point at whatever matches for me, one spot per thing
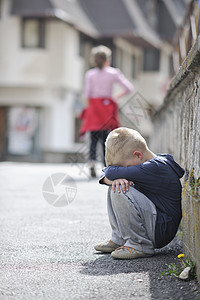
(171, 66)
(120, 59)
(0, 8)
(3, 131)
(151, 60)
(22, 130)
(33, 33)
(133, 66)
(81, 44)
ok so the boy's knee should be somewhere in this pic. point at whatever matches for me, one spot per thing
(132, 192)
(116, 195)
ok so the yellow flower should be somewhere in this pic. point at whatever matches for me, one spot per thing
(180, 255)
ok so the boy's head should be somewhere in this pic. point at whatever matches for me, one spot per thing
(124, 147)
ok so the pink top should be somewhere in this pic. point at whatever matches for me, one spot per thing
(99, 83)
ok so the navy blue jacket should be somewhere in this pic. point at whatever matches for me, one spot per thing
(159, 180)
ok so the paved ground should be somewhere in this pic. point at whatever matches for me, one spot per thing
(47, 251)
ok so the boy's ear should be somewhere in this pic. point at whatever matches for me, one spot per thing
(138, 154)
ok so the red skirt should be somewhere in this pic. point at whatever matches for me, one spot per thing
(101, 114)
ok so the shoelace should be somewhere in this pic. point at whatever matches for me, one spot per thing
(125, 248)
(111, 242)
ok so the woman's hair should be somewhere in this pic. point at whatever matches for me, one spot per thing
(100, 55)
(121, 143)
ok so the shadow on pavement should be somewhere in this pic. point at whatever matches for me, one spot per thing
(161, 287)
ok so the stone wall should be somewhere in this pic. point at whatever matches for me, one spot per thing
(177, 131)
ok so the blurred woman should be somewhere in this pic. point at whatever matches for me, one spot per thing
(101, 114)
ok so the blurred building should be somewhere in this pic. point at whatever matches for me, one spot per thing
(44, 53)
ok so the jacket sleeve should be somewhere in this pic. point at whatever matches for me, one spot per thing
(102, 177)
(130, 173)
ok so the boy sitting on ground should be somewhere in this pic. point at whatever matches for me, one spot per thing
(144, 197)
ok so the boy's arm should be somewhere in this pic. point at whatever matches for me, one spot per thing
(129, 173)
(106, 181)
(103, 179)
(116, 183)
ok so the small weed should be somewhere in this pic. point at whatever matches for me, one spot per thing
(192, 185)
(176, 269)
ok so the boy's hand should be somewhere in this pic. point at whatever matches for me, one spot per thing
(107, 181)
(124, 184)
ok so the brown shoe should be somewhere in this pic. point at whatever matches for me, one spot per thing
(125, 252)
(106, 247)
(92, 172)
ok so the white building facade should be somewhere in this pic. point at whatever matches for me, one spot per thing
(41, 78)
(43, 60)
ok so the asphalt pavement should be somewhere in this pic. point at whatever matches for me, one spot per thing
(50, 218)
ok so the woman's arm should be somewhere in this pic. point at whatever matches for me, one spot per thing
(124, 83)
(118, 96)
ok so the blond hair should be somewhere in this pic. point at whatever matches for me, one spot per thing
(121, 143)
(100, 55)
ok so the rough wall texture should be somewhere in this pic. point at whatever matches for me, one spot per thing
(177, 131)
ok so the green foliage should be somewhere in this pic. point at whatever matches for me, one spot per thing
(194, 184)
(191, 264)
(176, 269)
(173, 270)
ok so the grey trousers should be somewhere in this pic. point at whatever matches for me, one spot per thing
(132, 218)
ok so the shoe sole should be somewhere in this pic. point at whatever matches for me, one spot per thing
(107, 247)
(105, 250)
(120, 256)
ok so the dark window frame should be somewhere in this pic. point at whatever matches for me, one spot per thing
(82, 40)
(120, 59)
(171, 66)
(41, 33)
(133, 66)
(0, 9)
(155, 65)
